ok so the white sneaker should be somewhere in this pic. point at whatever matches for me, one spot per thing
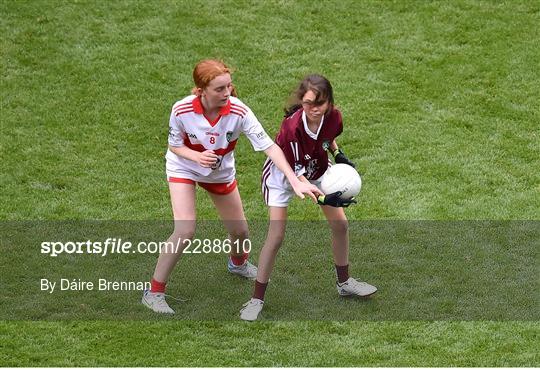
(247, 270)
(251, 309)
(354, 287)
(156, 302)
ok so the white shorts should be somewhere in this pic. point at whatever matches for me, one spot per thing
(276, 189)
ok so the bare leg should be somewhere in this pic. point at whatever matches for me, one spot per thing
(346, 285)
(230, 210)
(274, 239)
(183, 205)
(340, 234)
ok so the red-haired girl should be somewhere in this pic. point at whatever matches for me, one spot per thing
(203, 131)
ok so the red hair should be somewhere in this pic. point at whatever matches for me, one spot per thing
(206, 70)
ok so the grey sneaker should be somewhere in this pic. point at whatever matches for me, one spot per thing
(251, 309)
(156, 302)
(354, 287)
(247, 270)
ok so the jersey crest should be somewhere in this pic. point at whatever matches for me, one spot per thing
(326, 145)
(216, 165)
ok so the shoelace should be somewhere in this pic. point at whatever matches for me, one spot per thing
(177, 299)
(249, 302)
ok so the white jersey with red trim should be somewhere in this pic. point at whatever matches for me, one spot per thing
(188, 126)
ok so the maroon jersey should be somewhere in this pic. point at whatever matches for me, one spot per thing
(308, 154)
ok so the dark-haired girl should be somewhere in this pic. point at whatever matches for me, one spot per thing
(307, 134)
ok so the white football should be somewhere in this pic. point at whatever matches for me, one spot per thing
(341, 177)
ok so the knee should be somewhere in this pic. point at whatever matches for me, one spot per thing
(274, 242)
(183, 230)
(339, 227)
(239, 233)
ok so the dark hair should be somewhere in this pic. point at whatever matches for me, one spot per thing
(316, 83)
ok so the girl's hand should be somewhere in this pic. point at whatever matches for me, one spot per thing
(207, 158)
(340, 157)
(334, 200)
(301, 188)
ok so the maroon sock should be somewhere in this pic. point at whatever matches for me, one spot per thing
(260, 289)
(342, 273)
(157, 286)
(239, 260)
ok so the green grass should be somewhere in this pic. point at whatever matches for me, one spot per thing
(440, 101)
(298, 343)
(408, 261)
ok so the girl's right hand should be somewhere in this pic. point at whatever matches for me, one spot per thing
(301, 188)
(207, 158)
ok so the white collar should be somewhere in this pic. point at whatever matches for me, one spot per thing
(311, 134)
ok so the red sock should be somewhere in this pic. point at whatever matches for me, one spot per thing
(260, 289)
(239, 260)
(342, 273)
(157, 286)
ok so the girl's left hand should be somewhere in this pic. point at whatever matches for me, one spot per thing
(340, 157)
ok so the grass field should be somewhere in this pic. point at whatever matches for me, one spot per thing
(440, 102)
